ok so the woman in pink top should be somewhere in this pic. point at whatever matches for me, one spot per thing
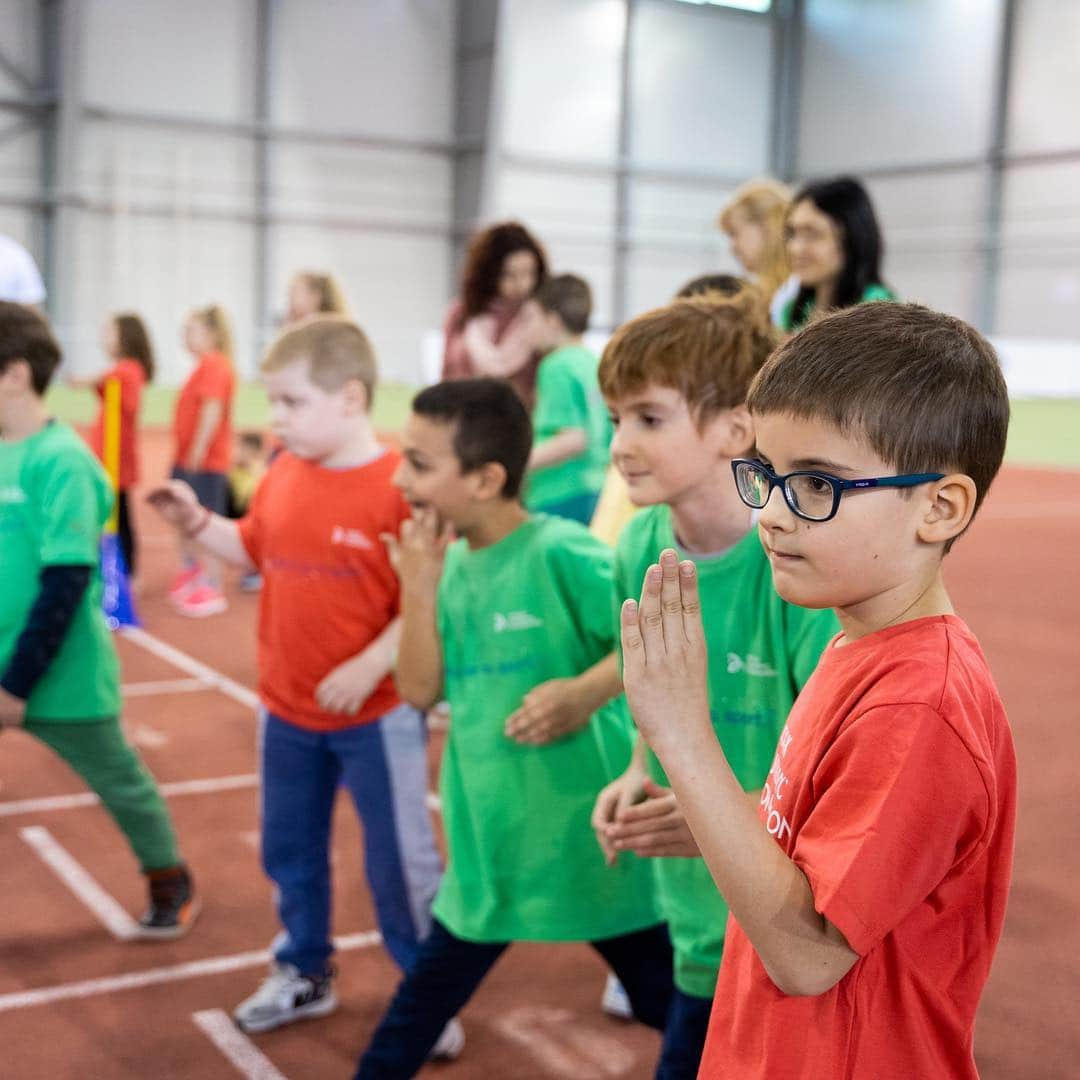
(491, 328)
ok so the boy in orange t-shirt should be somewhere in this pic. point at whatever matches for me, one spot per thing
(868, 891)
(328, 631)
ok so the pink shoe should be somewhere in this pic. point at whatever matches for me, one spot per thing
(201, 601)
(183, 582)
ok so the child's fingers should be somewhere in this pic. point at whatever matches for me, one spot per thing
(671, 606)
(625, 830)
(653, 790)
(650, 616)
(691, 602)
(649, 810)
(633, 644)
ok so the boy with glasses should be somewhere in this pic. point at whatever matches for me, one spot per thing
(868, 894)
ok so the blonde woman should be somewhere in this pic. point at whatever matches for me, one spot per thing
(754, 219)
(315, 294)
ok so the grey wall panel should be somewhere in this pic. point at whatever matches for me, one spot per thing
(562, 68)
(891, 83)
(1039, 286)
(702, 82)
(380, 66)
(1046, 77)
(189, 59)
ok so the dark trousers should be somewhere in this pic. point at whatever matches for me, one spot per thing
(124, 531)
(684, 1037)
(448, 970)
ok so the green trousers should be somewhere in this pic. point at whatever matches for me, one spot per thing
(99, 753)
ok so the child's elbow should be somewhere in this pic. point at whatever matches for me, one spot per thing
(417, 693)
(805, 981)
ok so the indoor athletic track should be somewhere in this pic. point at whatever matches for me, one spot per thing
(76, 1000)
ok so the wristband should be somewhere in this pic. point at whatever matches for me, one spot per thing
(190, 534)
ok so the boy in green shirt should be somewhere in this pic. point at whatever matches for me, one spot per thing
(59, 676)
(572, 430)
(512, 624)
(675, 380)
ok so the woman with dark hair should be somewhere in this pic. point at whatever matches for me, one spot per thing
(835, 247)
(492, 328)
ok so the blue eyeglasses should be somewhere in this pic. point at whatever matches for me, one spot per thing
(812, 496)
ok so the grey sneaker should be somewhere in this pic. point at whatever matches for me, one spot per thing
(284, 997)
(450, 1043)
(616, 1001)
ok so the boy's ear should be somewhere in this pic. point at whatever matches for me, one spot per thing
(17, 375)
(356, 395)
(489, 481)
(950, 509)
(732, 432)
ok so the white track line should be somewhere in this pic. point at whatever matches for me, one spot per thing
(165, 686)
(75, 876)
(178, 787)
(110, 984)
(242, 1053)
(181, 660)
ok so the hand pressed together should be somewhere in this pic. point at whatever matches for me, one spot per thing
(653, 827)
(665, 663)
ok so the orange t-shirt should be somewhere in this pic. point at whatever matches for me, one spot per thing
(129, 373)
(894, 790)
(212, 380)
(328, 587)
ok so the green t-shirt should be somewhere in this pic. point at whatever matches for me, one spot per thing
(568, 396)
(54, 500)
(761, 651)
(787, 312)
(524, 863)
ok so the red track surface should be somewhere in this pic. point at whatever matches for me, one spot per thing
(538, 1014)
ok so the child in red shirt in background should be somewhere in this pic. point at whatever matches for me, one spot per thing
(868, 892)
(202, 428)
(328, 631)
(127, 344)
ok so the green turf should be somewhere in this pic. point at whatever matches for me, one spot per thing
(249, 411)
(1043, 431)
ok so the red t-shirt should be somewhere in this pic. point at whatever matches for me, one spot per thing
(894, 790)
(212, 380)
(328, 587)
(129, 373)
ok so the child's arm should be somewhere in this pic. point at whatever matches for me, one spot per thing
(47, 624)
(418, 559)
(353, 681)
(210, 413)
(563, 446)
(664, 669)
(177, 503)
(560, 707)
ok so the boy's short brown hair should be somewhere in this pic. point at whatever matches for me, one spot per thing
(25, 335)
(569, 297)
(923, 389)
(335, 348)
(709, 348)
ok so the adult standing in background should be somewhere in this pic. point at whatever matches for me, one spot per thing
(492, 328)
(834, 243)
(755, 218)
(315, 294)
(20, 279)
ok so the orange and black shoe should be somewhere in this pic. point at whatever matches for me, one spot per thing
(173, 905)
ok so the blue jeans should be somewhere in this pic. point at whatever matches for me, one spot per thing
(684, 1037)
(449, 969)
(384, 766)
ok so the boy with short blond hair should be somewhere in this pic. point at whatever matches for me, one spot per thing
(328, 630)
(571, 426)
(675, 380)
(868, 891)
